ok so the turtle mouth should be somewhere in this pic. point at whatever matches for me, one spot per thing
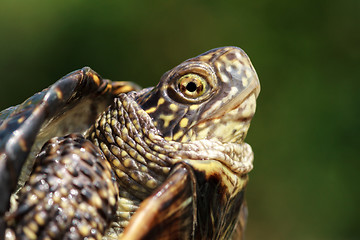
(230, 125)
(237, 102)
(231, 121)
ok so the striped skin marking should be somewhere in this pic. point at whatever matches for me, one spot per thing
(184, 122)
(194, 107)
(107, 89)
(245, 81)
(178, 135)
(59, 93)
(168, 138)
(160, 101)
(225, 78)
(233, 66)
(151, 110)
(95, 79)
(167, 119)
(173, 107)
(202, 125)
(248, 73)
(21, 119)
(23, 144)
(126, 88)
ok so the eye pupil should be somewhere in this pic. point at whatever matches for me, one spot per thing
(191, 87)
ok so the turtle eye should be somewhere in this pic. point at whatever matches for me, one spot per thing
(192, 85)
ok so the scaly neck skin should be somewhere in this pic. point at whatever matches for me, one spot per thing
(142, 159)
(133, 145)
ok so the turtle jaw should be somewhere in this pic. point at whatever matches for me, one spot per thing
(230, 125)
(237, 121)
(228, 119)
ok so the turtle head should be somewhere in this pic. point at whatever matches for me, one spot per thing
(211, 96)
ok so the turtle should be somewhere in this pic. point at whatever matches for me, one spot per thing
(90, 158)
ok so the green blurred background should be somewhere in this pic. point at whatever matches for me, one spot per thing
(306, 131)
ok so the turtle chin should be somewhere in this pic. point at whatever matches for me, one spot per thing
(230, 131)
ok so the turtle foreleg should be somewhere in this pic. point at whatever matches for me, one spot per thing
(71, 193)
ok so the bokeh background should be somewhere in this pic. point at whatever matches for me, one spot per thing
(305, 184)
